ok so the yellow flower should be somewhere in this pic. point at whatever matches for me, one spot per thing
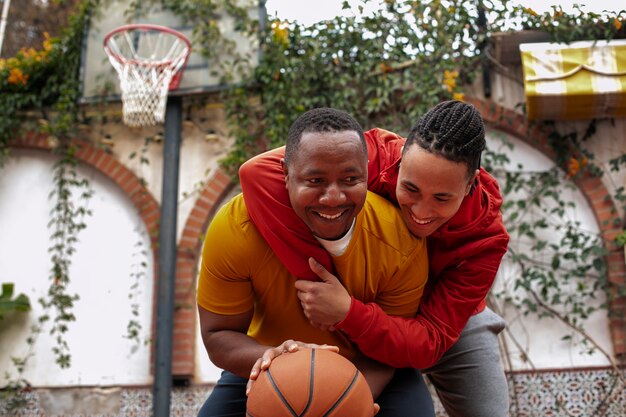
(47, 43)
(28, 53)
(449, 79)
(3, 64)
(13, 62)
(458, 96)
(280, 33)
(530, 11)
(617, 24)
(451, 74)
(16, 76)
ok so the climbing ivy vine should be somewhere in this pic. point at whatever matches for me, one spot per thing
(386, 68)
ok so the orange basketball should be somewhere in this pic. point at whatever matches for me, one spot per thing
(310, 383)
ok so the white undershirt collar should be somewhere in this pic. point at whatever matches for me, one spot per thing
(339, 246)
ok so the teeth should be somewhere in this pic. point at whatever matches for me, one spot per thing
(330, 217)
(416, 220)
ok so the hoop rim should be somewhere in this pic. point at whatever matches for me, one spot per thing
(147, 26)
(140, 26)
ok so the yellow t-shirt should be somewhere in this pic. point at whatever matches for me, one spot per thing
(383, 263)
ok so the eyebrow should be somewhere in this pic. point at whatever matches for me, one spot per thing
(316, 171)
(407, 182)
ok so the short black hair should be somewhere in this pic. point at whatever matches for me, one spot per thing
(323, 119)
(452, 129)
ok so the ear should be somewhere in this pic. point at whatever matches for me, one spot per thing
(283, 165)
(471, 182)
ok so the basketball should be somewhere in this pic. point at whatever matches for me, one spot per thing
(310, 383)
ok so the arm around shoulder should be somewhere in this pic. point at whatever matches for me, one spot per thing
(421, 341)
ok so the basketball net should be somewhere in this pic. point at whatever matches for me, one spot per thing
(148, 60)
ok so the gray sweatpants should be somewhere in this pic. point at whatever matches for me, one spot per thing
(469, 378)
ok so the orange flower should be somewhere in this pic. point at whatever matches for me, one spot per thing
(16, 76)
(458, 96)
(575, 165)
(617, 24)
(385, 68)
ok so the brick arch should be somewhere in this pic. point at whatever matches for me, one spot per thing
(187, 257)
(109, 166)
(506, 120)
(596, 194)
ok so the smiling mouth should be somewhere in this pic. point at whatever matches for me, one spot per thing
(330, 216)
(420, 222)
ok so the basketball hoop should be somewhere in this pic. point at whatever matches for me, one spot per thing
(149, 60)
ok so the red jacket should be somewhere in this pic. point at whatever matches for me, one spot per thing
(464, 255)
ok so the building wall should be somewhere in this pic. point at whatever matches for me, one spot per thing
(108, 253)
(531, 342)
(124, 188)
(124, 201)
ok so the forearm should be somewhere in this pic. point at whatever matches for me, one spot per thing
(233, 351)
(397, 341)
(375, 373)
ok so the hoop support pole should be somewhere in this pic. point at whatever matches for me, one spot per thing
(167, 260)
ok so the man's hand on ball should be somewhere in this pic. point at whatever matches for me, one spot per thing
(270, 354)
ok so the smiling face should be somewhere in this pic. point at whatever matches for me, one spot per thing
(327, 181)
(430, 189)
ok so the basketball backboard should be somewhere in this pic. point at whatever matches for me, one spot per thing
(99, 81)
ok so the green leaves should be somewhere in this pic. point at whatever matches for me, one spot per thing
(560, 268)
(386, 69)
(9, 304)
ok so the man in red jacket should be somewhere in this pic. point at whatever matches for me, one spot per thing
(436, 179)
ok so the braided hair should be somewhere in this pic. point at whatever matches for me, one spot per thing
(323, 119)
(452, 129)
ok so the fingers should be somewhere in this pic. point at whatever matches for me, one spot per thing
(307, 313)
(319, 270)
(376, 408)
(331, 348)
(249, 384)
(305, 286)
(323, 327)
(288, 346)
(256, 369)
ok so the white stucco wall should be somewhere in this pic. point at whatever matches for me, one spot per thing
(200, 152)
(605, 144)
(534, 342)
(107, 254)
(103, 265)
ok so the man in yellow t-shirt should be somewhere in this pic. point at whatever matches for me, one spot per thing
(246, 297)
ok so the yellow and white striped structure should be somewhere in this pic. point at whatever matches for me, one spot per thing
(580, 80)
